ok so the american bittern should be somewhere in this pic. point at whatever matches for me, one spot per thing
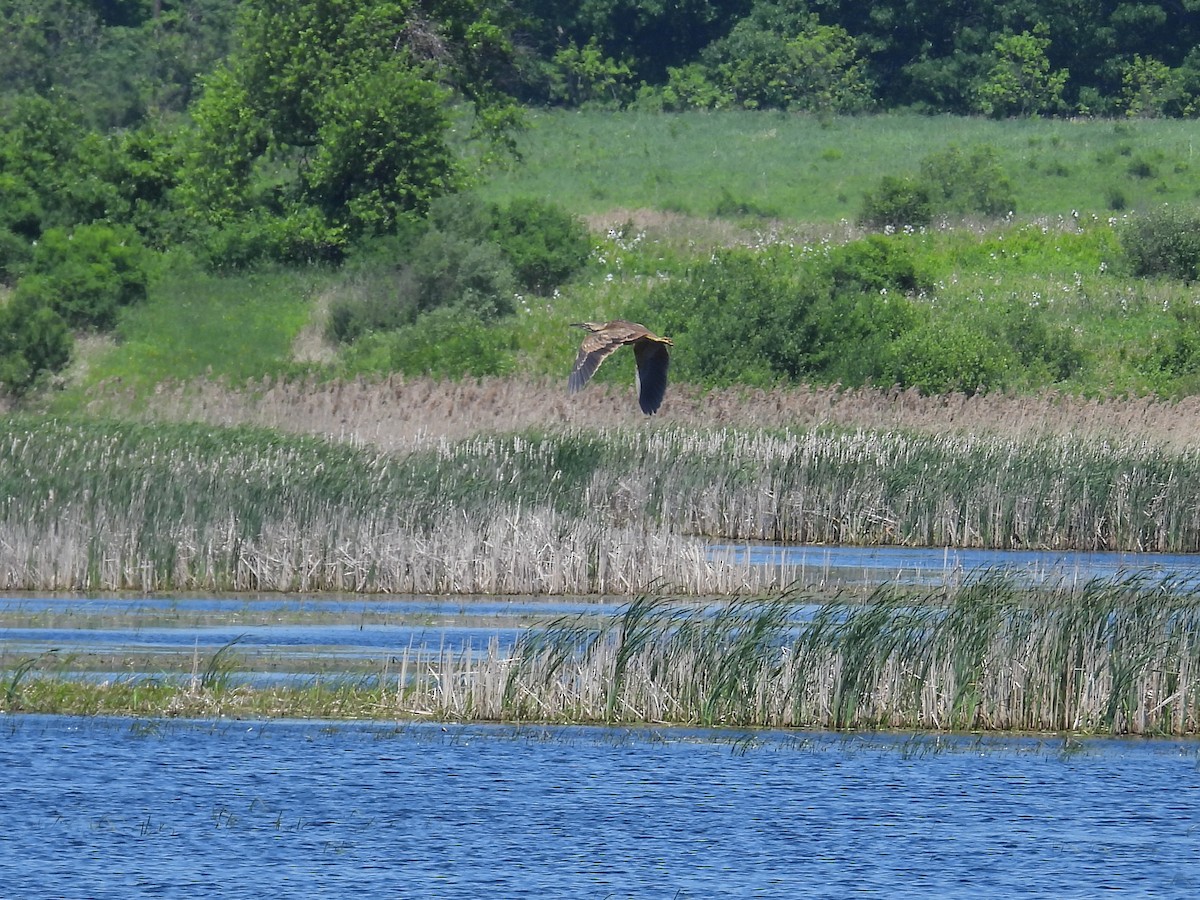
(649, 350)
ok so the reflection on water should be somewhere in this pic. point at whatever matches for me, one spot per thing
(304, 633)
(117, 809)
(924, 565)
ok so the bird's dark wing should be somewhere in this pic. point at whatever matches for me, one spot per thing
(653, 357)
(595, 349)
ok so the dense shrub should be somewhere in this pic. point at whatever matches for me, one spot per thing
(968, 181)
(945, 355)
(87, 274)
(21, 210)
(1175, 356)
(740, 317)
(853, 334)
(15, 252)
(1164, 242)
(896, 201)
(34, 341)
(1046, 352)
(875, 264)
(544, 244)
(456, 272)
(951, 181)
(384, 302)
(299, 237)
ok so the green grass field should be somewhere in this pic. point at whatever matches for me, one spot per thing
(803, 169)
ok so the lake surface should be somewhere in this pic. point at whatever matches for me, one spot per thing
(928, 566)
(121, 808)
(102, 808)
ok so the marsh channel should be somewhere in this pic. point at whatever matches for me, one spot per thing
(180, 807)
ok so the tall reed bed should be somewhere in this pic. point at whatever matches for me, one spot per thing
(1102, 657)
(117, 506)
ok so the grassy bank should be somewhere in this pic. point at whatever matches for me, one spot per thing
(106, 506)
(1097, 658)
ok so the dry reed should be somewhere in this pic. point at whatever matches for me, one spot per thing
(399, 414)
(88, 506)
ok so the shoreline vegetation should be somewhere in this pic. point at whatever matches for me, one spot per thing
(103, 505)
(987, 656)
(441, 499)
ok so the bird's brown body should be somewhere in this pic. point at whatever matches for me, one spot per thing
(650, 351)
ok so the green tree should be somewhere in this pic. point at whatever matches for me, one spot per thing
(782, 57)
(85, 275)
(344, 106)
(34, 341)
(584, 75)
(1022, 82)
(54, 167)
(1150, 88)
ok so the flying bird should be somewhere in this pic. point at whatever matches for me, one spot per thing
(649, 350)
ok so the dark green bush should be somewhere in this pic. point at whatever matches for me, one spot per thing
(456, 272)
(15, 253)
(948, 354)
(299, 237)
(87, 274)
(876, 263)
(738, 318)
(897, 200)
(381, 303)
(852, 334)
(21, 209)
(1176, 354)
(1049, 352)
(544, 244)
(968, 181)
(729, 206)
(1165, 242)
(34, 341)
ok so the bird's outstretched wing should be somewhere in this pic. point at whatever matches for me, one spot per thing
(652, 357)
(597, 347)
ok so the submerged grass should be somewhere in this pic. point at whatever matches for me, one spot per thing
(1098, 658)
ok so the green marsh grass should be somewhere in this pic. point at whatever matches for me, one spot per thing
(108, 506)
(197, 324)
(1102, 657)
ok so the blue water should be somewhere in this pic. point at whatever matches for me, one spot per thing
(299, 604)
(102, 808)
(926, 565)
(344, 640)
